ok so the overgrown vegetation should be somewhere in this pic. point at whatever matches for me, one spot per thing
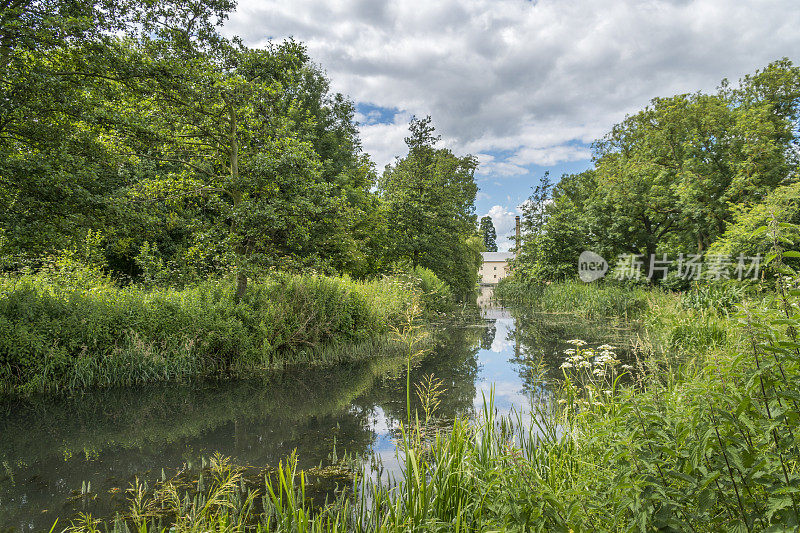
(576, 297)
(67, 332)
(697, 433)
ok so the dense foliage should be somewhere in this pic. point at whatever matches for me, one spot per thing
(695, 433)
(68, 331)
(137, 130)
(689, 174)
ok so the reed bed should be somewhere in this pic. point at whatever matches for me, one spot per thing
(589, 300)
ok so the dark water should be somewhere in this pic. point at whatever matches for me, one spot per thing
(52, 448)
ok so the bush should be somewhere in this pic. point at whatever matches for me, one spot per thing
(673, 281)
(435, 294)
(59, 334)
(591, 300)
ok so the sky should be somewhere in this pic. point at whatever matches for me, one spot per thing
(525, 86)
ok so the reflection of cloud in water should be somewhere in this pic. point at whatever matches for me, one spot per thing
(507, 394)
(502, 342)
(499, 373)
(382, 427)
(383, 448)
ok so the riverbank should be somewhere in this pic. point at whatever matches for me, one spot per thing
(71, 332)
(697, 434)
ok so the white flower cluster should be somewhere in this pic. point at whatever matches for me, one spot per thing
(596, 361)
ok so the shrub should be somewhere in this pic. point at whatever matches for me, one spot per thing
(435, 294)
(591, 300)
(57, 334)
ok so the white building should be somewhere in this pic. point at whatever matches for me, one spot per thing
(494, 267)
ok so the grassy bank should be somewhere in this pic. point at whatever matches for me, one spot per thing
(698, 435)
(590, 300)
(60, 332)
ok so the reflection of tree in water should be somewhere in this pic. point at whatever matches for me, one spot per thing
(49, 447)
(488, 335)
(541, 340)
(453, 360)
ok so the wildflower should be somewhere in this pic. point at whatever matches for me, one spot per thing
(570, 351)
(566, 365)
(606, 347)
(562, 401)
(577, 342)
(607, 392)
(627, 367)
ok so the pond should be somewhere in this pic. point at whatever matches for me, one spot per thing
(63, 455)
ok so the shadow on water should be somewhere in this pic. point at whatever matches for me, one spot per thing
(53, 447)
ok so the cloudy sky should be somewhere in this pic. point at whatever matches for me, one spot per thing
(523, 85)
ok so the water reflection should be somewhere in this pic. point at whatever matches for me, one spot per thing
(52, 447)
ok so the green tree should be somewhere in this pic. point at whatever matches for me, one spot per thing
(670, 174)
(220, 126)
(430, 202)
(489, 234)
(674, 177)
(557, 225)
(742, 236)
(61, 65)
(176, 144)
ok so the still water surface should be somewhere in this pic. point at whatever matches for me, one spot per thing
(52, 448)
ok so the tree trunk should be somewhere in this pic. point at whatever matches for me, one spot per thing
(241, 284)
(236, 194)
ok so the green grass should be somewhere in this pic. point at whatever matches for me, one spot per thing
(62, 333)
(590, 300)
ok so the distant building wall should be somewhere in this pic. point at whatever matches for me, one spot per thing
(494, 267)
(493, 271)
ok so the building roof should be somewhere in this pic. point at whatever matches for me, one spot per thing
(497, 256)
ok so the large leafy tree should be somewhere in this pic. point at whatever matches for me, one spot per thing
(60, 64)
(673, 177)
(670, 174)
(557, 225)
(430, 197)
(253, 141)
(183, 149)
(215, 124)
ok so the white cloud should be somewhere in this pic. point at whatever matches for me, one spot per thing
(384, 141)
(490, 166)
(535, 80)
(504, 224)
